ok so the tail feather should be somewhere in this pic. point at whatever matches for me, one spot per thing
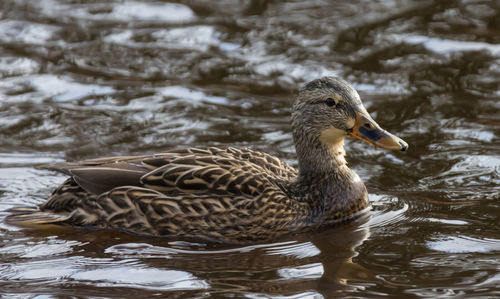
(34, 216)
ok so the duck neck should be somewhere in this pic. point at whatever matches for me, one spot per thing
(321, 161)
(325, 182)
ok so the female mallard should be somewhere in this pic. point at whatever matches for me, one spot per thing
(227, 194)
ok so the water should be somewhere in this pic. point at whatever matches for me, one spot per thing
(82, 79)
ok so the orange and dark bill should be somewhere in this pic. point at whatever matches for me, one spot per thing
(366, 129)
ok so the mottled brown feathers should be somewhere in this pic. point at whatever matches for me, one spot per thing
(224, 195)
(218, 194)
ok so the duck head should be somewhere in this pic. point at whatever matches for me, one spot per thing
(329, 109)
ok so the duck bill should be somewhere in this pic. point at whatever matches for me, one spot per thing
(366, 129)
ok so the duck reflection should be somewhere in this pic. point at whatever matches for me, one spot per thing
(338, 248)
(320, 262)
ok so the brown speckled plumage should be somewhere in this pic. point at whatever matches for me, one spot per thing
(221, 194)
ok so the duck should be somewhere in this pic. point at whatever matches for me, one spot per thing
(226, 194)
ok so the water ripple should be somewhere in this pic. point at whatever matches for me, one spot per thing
(82, 79)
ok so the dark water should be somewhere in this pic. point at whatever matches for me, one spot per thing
(82, 79)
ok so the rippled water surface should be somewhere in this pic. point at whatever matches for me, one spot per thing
(82, 79)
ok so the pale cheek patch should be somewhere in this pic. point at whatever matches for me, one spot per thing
(332, 135)
(350, 122)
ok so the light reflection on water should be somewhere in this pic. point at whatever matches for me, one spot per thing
(81, 80)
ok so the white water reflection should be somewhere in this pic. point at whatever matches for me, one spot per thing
(464, 244)
(193, 38)
(298, 250)
(44, 248)
(82, 270)
(62, 89)
(191, 96)
(138, 276)
(447, 221)
(157, 12)
(26, 32)
(198, 38)
(57, 88)
(128, 11)
(310, 271)
(447, 46)
(14, 66)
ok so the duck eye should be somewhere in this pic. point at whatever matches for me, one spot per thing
(330, 102)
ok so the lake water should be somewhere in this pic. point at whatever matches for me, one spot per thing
(83, 79)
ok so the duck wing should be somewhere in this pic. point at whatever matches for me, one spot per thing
(217, 171)
(228, 195)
